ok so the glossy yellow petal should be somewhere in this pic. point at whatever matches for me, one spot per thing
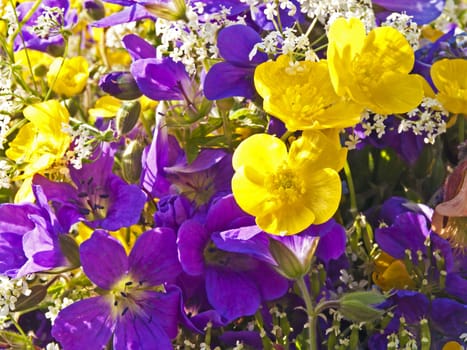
(48, 117)
(305, 97)
(396, 93)
(346, 39)
(390, 50)
(260, 151)
(286, 219)
(105, 107)
(323, 194)
(450, 78)
(251, 196)
(68, 76)
(318, 149)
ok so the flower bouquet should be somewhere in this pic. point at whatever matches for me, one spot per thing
(233, 174)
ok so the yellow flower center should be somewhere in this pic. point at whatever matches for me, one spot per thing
(366, 70)
(126, 294)
(285, 184)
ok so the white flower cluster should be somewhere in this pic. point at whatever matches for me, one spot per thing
(286, 42)
(82, 145)
(428, 119)
(9, 17)
(328, 10)
(49, 23)
(10, 291)
(192, 42)
(404, 24)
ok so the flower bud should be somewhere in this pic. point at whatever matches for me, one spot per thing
(127, 116)
(25, 302)
(171, 10)
(356, 307)
(94, 8)
(172, 211)
(131, 161)
(121, 85)
(288, 264)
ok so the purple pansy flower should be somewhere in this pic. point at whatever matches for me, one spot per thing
(98, 197)
(29, 37)
(137, 307)
(29, 237)
(234, 76)
(236, 283)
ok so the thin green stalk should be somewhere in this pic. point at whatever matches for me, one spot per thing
(350, 184)
(26, 18)
(29, 345)
(312, 316)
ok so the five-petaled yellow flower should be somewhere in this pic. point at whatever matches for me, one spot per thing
(39, 143)
(450, 78)
(301, 95)
(68, 76)
(373, 70)
(289, 191)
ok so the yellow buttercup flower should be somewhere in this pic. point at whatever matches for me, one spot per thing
(36, 61)
(301, 95)
(68, 76)
(450, 78)
(41, 142)
(289, 191)
(373, 70)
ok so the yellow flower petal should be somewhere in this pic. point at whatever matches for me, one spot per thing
(286, 220)
(260, 151)
(450, 78)
(396, 93)
(323, 194)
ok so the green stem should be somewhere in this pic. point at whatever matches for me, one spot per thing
(350, 184)
(29, 345)
(312, 316)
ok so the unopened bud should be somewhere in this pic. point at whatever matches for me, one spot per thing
(127, 116)
(131, 161)
(288, 264)
(121, 85)
(171, 10)
(356, 307)
(94, 8)
(70, 249)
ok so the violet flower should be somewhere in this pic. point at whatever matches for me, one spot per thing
(30, 36)
(236, 283)
(423, 11)
(446, 317)
(97, 196)
(29, 237)
(159, 78)
(136, 307)
(290, 255)
(234, 76)
(167, 171)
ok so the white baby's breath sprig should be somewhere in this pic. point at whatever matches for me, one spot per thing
(49, 23)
